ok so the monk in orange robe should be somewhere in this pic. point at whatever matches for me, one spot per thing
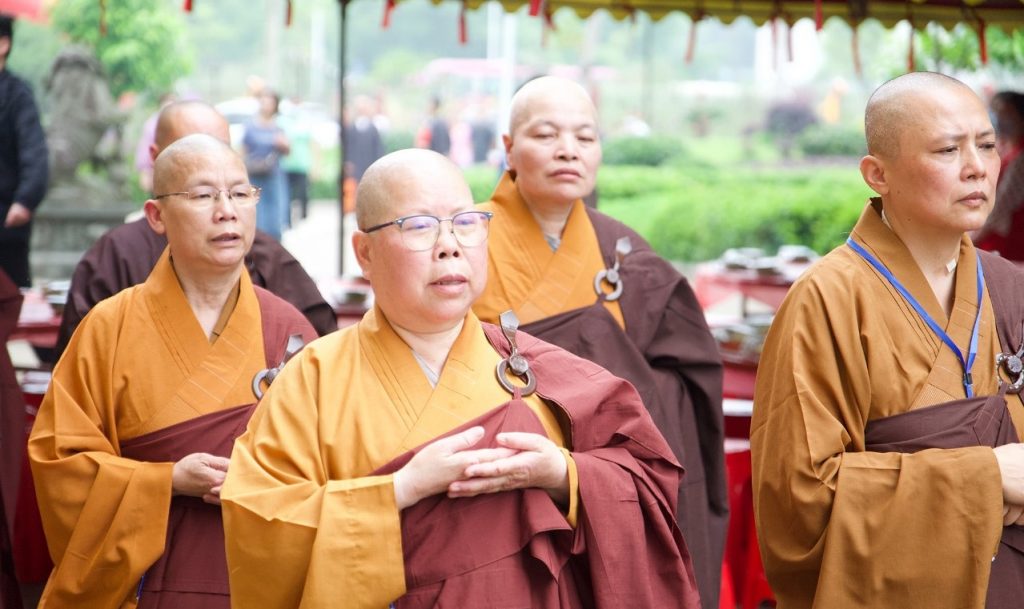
(130, 446)
(423, 459)
(887, 464)
(591, 285)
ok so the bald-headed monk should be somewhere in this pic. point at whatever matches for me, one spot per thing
(130, 445)
(400, 462)
(591, 285)
(887, 464)
(125, 255)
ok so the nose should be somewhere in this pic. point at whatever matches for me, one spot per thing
(568, 147)
(224, 208)
(447, 245)
(974, 164)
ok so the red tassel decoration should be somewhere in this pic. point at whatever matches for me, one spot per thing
(535, 7)
(789, 41)
(288, 13)
(463, 37)
(691, 41)
(549, 21)
(188, 6)
(857, 69)
(389, 8)
(910, 51)
(103, 18)
(982, 46)
(819, 18)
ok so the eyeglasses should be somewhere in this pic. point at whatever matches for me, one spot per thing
(242, 195)
(420, 232)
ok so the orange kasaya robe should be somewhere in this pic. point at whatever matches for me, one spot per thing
(840, 524)
(311, 481)
(525, 275)
(138, 364)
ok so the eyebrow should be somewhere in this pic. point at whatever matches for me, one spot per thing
(554, 125)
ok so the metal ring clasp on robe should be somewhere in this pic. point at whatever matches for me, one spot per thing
(622, 247)
(1013, 365)
(268, 375)
(515, 361)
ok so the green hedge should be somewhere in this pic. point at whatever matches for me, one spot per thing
(822, 141)
(649, 151)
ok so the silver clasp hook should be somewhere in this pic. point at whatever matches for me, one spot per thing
(622, 247)
(520, 367)
(268, 375)
(1013, 366)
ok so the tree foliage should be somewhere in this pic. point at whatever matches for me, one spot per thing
(141, 48)
(960, 48)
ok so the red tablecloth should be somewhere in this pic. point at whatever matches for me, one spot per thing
(31, 558)
(742, 555)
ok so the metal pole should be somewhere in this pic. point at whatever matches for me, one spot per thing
(343, 5)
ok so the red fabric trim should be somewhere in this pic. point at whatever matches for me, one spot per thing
(535, 7)
(463, 36)
(187, 6)
(819, 18)
(388, 9)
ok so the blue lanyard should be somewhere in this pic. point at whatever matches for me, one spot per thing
(968, 363)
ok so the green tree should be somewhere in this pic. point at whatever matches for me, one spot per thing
(960, 49)
(142, 47)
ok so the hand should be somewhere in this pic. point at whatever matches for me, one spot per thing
(17, 215)
(1013, 514)
(439, 464)
(535, 462)
(1011, 467)
(200, 475)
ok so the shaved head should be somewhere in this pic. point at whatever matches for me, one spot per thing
(893, 108)
(545, 89)
(183, 155)
(183, 118)
(400, 175)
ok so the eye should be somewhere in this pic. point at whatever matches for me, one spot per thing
(202, 196)
(240, 195)
(419, 223)
(947, 150)
(988, 146)
(467, 219)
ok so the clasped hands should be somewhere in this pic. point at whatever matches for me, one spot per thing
(1011, 467)
(451, 465)
(200, 475)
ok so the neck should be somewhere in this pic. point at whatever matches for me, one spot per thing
(932, 253)
(432, 347)
(551, 217)
(208, 295)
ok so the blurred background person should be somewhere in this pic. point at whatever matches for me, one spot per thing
(263, 145)
(298, 163)
(1004, 230)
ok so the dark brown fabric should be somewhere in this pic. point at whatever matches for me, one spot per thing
(669, 355)
(516, 549)
(979, 421)
(193, 569)
(12, 442)
(125, 255)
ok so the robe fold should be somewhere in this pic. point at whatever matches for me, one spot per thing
(312, 478)
(654, 336)
(852, 509)
(140, 386)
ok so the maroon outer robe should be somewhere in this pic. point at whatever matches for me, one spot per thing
(193, 569)
(12, 441)
(125, 255)
(669, 355)
(516, 549)
(978, 421)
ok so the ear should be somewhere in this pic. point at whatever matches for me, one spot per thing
(873, 170)
(154, 151)
(506, 140)
(155, 216)
(361, 247)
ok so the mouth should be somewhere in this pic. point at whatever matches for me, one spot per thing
(975, 198)
(227, 238)
(450, 280)
(562, 173)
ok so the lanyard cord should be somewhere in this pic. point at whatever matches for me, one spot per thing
(967, 363)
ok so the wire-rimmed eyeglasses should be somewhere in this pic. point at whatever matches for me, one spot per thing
(420, 232)
(243, 195)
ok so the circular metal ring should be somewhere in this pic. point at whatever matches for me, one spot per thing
(531, 380)
(1012, 366)
(257, 382)
(600, 277)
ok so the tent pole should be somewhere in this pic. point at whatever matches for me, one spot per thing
(342, 31)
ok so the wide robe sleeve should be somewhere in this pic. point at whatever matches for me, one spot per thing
(840, 526)
(293, 534)
(105, 516)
